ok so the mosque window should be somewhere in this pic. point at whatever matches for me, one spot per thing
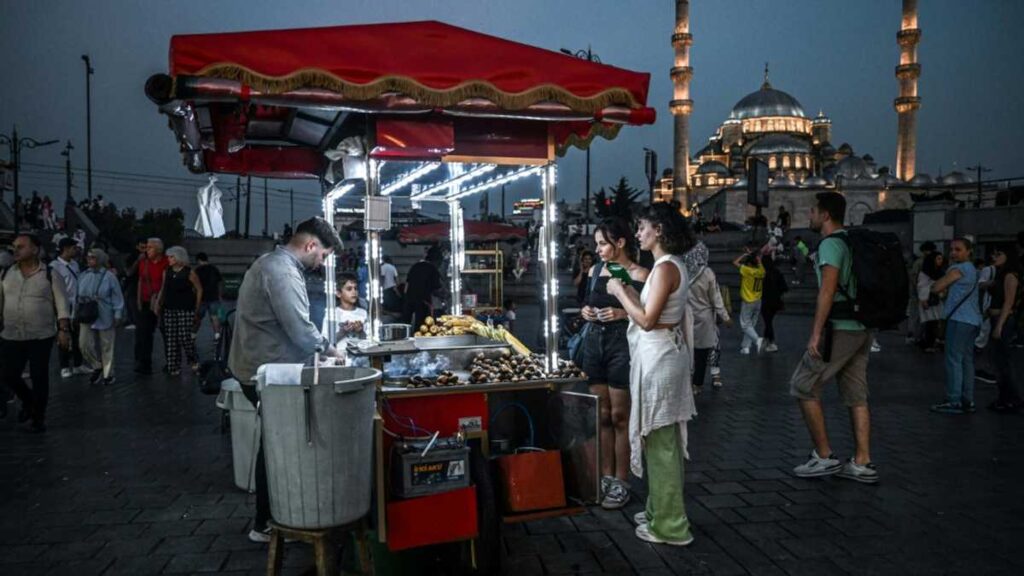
(773, 162)
(785, 161)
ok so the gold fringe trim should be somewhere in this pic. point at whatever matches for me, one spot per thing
(317, 78)
(606, 131)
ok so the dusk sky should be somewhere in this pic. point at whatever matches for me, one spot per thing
(834, 56)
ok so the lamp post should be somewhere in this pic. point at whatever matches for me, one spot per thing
(16, 144)
(88, 123)
(979, 169)
(67, 174)
(589, 57)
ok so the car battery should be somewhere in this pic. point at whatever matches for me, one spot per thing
(444, 467)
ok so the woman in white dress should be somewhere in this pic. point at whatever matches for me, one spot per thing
(661, 355)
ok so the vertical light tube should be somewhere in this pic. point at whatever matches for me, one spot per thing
(329, 274)
(374, 312)
(456, 238)
(550, 263)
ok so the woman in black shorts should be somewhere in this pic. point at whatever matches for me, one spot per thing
(606, 356)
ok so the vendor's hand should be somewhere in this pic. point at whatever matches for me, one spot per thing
(616, 287)
(608, 314)
(64, 339)
(356, 326)
(589, 313)
(813, 345)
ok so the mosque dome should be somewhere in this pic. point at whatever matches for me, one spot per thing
(779, 144)
(767, 102)
(852, 167)
(955, 178)
(921, 179)
(786, 181)
(713, 167)
(815, 182)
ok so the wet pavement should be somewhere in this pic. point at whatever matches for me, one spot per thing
(135, 478)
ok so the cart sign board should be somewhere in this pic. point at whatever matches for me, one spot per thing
(757, 184)
(527, 206)
(378, 213)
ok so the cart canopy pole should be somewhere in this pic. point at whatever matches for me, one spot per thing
(373, 255)
(332, 196)
(456, 235)
(548, 254)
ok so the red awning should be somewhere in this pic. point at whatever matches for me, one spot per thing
(270, 103)
(476, 231)
(435, 63)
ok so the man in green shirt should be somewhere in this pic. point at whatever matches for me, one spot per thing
(839, 348)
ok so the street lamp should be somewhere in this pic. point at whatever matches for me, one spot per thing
(589, 57)
(88, 123)
(16, 144)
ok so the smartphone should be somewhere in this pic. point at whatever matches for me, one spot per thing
(618, 271)
(826, 351)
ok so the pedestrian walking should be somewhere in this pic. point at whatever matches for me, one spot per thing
(178, 309)
(131, 284)
(66, 265)
(839, 347)
(915, 325)
(151, 277)
(49, 215)
(1003, 308)
(423, 283)
(661, 350)
(272, 325)
(586, 262)
(98, 284)
(962, 312)
(771, 301)
(707, 308)
(35, 309)
(933, 267)
(212, 282)
(986, 277)
(751, 290)
(606, 356)
(800, 253)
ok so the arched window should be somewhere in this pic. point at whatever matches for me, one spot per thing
(773, 162)
(785, 161)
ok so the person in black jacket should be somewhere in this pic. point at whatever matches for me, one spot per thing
(771, 300)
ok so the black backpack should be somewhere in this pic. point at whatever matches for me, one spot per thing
(880, 272)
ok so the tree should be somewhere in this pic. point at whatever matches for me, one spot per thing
(618, 202)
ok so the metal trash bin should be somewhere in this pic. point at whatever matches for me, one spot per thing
(244, 433)
(318, 443)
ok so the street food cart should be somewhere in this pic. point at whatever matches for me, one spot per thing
(421, 112)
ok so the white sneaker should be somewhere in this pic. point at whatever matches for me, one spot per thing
(640, 518)
(875, 346)
(867, 473)
(66, 372)
(260, 536)
(745, 351)
(760, 345)
(643, 532)
(617, 495)
(83, 370)
(817, 466)
(716, 380)
(771, 347)
(129, 327)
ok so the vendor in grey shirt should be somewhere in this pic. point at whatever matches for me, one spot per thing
(272, 325)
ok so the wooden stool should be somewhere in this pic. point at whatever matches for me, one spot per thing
(325, 547)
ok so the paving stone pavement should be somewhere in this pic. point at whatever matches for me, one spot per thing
(136, 479)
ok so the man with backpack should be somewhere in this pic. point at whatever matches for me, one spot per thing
(34, 308)
(839, 348)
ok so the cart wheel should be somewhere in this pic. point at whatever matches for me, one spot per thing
(488, 543)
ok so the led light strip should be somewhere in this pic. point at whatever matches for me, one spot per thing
(410, 177)
(498, 181)
(441, 186)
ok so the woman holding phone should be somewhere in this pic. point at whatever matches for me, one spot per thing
(606, 355)
(661, 348)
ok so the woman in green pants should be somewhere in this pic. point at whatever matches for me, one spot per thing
(661, 354)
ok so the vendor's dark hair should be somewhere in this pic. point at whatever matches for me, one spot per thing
(346, 277)
(321, 230)
(434, 254)
(615, 229)
(676, 235)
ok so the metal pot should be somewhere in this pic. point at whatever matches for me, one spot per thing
(392, 332)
